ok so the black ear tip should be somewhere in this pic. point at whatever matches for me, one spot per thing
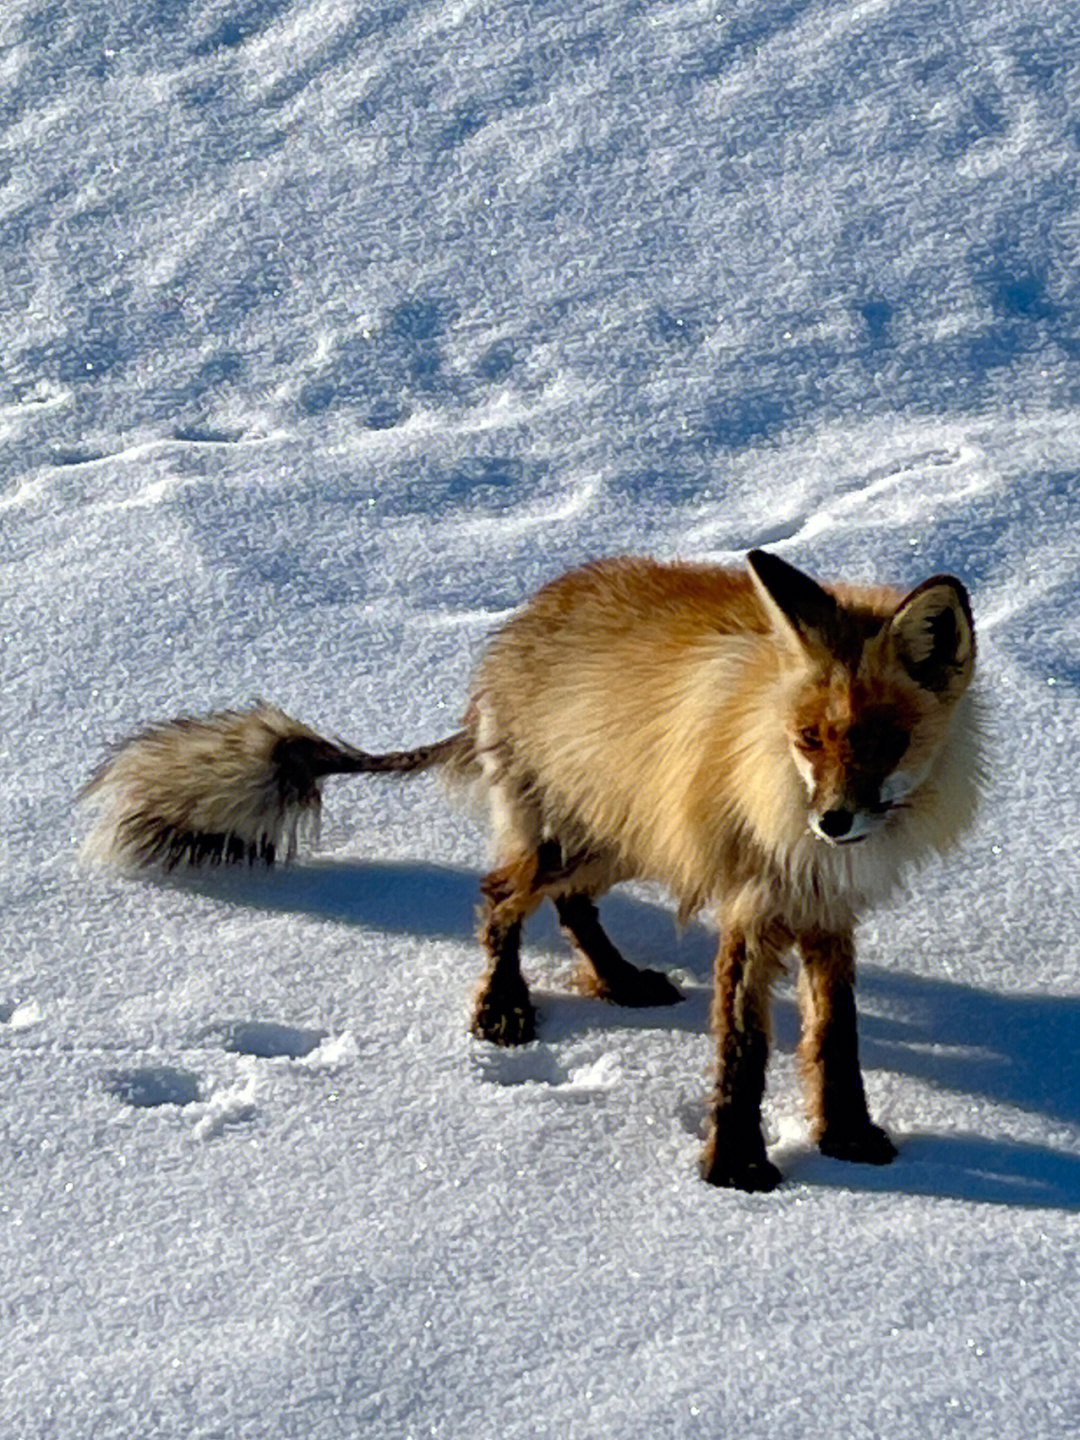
(763, 564)
(946, 582)
(772, 572)
(804, 605)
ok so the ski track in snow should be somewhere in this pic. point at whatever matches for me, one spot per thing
(329, 333)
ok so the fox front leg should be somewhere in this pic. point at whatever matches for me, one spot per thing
(829, 1053)
(734, 1154)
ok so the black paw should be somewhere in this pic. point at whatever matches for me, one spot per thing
(732, 1171)
(505, 1016)
(639, 989)
(869, 1145)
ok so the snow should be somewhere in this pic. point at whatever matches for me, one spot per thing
(328, 333)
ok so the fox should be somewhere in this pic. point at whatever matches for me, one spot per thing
(777, 752)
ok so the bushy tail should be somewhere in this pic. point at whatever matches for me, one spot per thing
(234, 786)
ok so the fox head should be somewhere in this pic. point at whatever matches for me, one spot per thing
(873, 685)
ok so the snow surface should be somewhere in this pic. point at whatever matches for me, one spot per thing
(328, 331)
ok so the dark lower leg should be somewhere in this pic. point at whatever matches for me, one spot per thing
(504, 1013)
(829, 1054)
(735, 1152)
(609, 975)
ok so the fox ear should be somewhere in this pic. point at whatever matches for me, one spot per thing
(794, 603)
(933, 636)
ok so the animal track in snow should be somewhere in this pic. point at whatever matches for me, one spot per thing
(308, 1047)
(229, 1099)
(267, 1040)
(150, 1086)
(535, 1065)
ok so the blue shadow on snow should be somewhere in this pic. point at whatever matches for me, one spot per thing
(1021, 1050)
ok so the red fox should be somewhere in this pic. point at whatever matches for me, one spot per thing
(764, 746)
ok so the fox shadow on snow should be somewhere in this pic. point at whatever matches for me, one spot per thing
(1021, 1050)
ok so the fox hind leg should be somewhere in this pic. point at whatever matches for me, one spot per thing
(606, 973)
(829, 1053)
(504, 1013)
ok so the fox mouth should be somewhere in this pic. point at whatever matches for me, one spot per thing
(835, 842)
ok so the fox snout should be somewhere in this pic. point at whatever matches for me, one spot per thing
(842, 815)
(844, 825)
(839, 825)
(852, 777)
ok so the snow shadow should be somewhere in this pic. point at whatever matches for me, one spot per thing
(1017, 1049)
(440, 902)
(956, 1167)
(1020, 1049)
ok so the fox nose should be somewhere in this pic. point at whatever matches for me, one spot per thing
(835, 824)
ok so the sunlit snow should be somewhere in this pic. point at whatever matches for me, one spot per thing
(328, 331)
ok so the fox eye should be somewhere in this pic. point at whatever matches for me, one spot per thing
(810, 738)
